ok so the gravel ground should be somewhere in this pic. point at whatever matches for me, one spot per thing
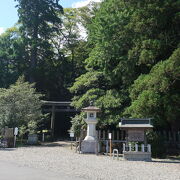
(59, 158)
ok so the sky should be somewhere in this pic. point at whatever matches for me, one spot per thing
(8, 12)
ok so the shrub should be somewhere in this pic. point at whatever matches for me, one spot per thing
(20, 106)
(157, 142)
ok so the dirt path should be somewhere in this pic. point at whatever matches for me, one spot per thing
(58, 160)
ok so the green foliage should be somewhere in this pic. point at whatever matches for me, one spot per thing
(22, 131)
(128, 64)
(78, 124)
(74, 44)
(32, 127)
(11, 57)
(87, 81)
(20, 106)
(131, 42)
(157, 94)
(53, 53)
(94, 87)
(38, 20)
(158, 144)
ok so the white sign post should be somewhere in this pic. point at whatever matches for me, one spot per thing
(110, 139)
(71, 136)
(110, 135)
(15, 134)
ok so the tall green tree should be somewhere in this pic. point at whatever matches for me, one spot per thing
(41, 22)
(12, 57)
(75, 45)
(157, 94)
(38, 19)
(128, 38)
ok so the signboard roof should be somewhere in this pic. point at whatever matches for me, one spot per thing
(135, 123)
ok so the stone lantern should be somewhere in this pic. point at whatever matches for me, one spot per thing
(89, 143)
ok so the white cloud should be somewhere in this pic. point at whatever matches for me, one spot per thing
(83, 3)
(2, 30)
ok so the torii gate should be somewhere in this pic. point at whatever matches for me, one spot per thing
(57, 106)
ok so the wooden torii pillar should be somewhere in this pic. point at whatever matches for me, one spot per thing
(52, 121)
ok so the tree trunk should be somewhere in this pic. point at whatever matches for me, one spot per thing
(33, 59)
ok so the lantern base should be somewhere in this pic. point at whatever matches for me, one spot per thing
(89, 138)
(89, 146)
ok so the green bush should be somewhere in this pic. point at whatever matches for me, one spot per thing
(20, 106)
(157, 142)
(78, 124)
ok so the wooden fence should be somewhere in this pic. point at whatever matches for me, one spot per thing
(172, 139)
(168, 136)
(116, 134)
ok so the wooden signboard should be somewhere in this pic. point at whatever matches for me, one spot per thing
(136, 135)
(9, 133)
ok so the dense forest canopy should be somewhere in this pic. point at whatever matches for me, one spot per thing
(123, 55)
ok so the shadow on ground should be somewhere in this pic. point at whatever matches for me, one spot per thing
(7, 149)
(56, 144)
(166, 161)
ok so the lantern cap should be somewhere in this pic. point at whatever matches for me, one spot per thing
(91, 108)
